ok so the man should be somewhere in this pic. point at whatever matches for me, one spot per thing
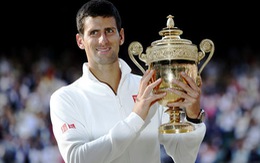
(109, 114)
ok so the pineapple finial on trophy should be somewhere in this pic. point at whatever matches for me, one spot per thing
(170, 22)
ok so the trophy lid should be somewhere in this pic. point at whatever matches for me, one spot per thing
(170, 34)
(171, 46)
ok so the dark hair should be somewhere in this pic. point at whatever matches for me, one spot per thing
(96, 8)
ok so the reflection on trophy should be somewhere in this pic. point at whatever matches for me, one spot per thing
(169, 57)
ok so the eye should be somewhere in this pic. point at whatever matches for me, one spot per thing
(93, 33)
(110, 30)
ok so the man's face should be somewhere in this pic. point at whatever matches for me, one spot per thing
(101, 40)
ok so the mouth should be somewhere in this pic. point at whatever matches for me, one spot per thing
(103, 49)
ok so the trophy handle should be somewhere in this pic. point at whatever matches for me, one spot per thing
(135, 48)
(206, 46)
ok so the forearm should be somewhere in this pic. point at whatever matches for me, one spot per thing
(184, 147)
(78, 146)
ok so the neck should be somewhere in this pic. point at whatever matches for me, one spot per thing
(108, 74)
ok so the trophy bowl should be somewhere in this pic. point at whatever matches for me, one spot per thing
(169, 57)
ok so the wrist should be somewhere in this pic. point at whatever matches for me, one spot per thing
(200, 118)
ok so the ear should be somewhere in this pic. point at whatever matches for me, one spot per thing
(79, 40)
(122, 36)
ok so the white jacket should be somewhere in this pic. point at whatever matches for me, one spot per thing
(93, 125)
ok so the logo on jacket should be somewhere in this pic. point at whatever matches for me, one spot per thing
(66, 126)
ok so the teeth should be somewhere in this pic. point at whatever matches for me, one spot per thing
(104, 49)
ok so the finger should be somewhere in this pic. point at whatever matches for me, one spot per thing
(145, 80)
(184, 95)
(185, 88)
(152, 86)
(148, 95)
(190, 87)
(179, 104)
(190, 81)
(156, 97)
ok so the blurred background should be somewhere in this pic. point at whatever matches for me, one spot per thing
(39, 54)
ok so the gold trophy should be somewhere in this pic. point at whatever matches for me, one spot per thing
(168, 57)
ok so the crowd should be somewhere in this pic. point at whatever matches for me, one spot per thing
(231, 99)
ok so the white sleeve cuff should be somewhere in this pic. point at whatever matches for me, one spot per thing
(134, 121)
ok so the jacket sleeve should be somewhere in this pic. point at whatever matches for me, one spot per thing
(75, 141)
(184, 147)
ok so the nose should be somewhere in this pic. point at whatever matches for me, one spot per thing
(103, 38)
